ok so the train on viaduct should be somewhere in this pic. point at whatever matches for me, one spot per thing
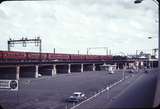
(35, 56)
(16, 64)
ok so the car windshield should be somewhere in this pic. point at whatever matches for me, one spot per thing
(75, 94)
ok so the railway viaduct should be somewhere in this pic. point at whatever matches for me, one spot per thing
(17, 70)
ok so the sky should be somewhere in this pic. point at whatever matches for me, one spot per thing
(70, 26)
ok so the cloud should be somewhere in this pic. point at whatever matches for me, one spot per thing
(71, 25)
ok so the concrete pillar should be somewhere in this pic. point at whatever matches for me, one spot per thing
(94, 67)
(69, 68)
(82, 68)
(125, 66)
(17, 72)
(36, 72)
(142, 64)
(149, 64)
(137, 65)
(54, 70)
(117, 66)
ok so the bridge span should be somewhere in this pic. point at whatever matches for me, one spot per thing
(17, 70)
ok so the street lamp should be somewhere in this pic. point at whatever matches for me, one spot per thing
(149, 37)
(138, 1)
(156, 99)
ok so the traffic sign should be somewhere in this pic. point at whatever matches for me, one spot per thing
(11, 85)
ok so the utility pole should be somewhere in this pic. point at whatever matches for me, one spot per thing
(155, 51)
(54, 50)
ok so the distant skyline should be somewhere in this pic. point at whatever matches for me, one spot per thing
(72, 25)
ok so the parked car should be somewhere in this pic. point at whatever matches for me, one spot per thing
(39, 75)
(76, 97)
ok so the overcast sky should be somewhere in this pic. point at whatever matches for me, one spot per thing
(72, 25)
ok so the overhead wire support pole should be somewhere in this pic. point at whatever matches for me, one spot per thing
(8, 46)
(40, 49)
(24, 41)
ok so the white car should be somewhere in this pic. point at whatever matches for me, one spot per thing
(39, 75)
(76, 97)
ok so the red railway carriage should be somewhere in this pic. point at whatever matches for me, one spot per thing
(37, 56)
(10, 55)
(106, 57)
(92, 57)
(1, 54)
(77, 57)
(44, 56)
(14, 55)
(109, 57)
(96, 57)
(33, 56)
(58, 56)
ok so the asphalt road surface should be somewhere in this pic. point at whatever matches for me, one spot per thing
(134, 92)
(50, 92)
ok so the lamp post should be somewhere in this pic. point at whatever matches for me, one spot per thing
(140, 1)
(157, 92)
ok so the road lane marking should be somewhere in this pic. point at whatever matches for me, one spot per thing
(115, 97)
(107, 88)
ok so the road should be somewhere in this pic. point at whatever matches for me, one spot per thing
(51, 92)
(135, 92)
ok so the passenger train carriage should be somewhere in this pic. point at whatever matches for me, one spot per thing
(35, 56)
